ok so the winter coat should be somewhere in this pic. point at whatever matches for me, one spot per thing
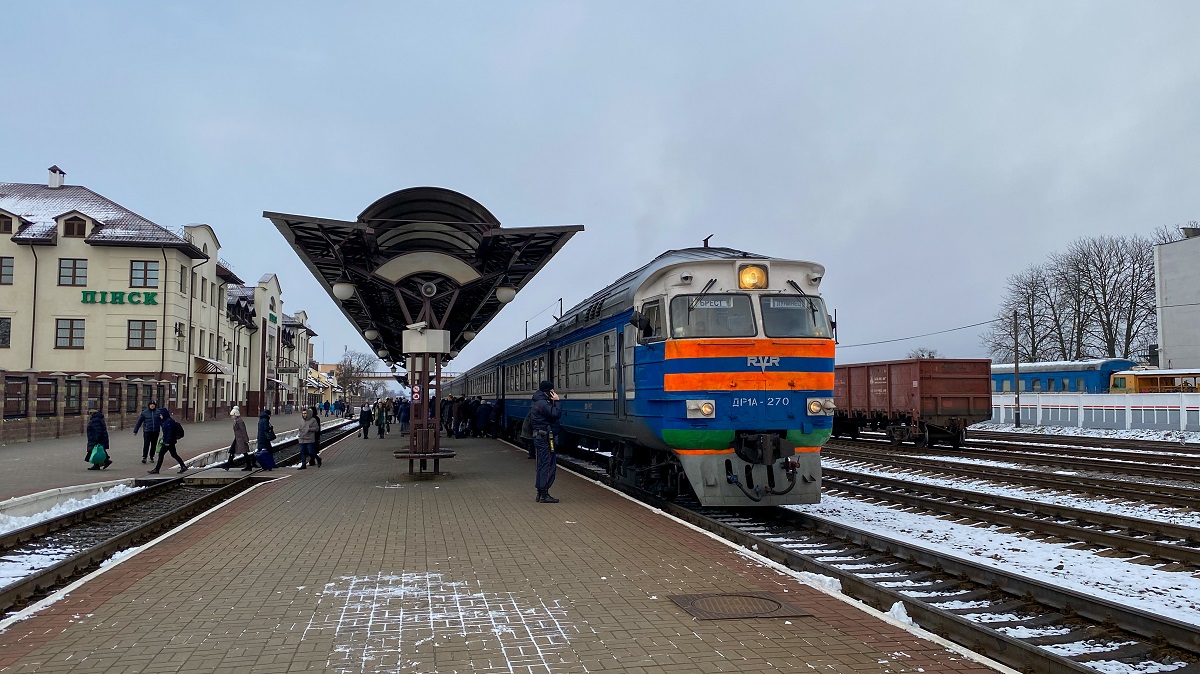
(149, 419)
(380, 416)
(167, 427)
(364, 416)
(264, 426)
(308, 431)
(241, 439)
(545, 412)
(403, 413)
(97, 433)
(483, 415)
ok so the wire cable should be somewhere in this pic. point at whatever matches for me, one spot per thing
(928, 334)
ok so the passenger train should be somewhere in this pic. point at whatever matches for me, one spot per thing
(708, 371)
(1099, 375)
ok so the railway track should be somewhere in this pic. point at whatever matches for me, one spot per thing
(1027, 624)
(1086, 441)
(37, 558)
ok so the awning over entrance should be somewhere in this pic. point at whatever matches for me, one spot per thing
(210, 366)
(279, 383)
(416, 245)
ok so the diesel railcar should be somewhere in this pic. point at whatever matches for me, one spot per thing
(1067, 376)
(708, 371)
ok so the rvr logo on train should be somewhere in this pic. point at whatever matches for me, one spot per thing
(762, 362)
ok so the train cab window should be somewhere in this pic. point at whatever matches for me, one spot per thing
(794, 316)
(652, 328)
(1118, 382)
(712, 316)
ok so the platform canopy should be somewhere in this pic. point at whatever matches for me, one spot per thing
(423, 254)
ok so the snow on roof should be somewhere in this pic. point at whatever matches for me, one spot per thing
(1155, 372)
(40, 205)
(1064, 365)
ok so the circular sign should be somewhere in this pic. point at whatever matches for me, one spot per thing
(416, 397)
(416, 388)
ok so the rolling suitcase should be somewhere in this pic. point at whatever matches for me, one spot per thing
(265, 459)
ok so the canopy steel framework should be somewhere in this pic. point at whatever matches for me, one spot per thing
(422, 254)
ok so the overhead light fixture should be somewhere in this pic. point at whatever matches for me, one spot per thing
(506, 294)
(454, 354)
(382, 353)
(468, 335)
(371, 334)
(343, 288)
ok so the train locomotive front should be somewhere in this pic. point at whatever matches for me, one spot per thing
(733, 378)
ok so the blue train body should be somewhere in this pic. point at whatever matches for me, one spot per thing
(695, 373)
(1078, 376)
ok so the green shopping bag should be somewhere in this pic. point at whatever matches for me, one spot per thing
(98, 454)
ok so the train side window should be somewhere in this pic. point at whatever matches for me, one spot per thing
(652, 328)
(1050, 384)
(1024, 384)
(1037, 385)
(1079, 385)
(993, 386)
(1006, 386)
(1064, 384)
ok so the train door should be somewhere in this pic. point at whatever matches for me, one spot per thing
(626, 339)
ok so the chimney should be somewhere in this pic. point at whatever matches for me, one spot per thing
(56, 177)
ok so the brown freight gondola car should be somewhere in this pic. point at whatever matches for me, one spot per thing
(924, 400)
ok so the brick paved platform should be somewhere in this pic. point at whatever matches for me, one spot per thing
(358, 567)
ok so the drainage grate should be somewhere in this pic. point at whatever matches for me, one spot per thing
(738, 605)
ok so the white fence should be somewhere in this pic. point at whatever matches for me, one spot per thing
(1120, 411)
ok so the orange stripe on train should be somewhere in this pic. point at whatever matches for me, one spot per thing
(717, 348)
(749, 381)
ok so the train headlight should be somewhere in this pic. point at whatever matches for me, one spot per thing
(701, 409)
(707, 409)
(821, 407)
(752, 277)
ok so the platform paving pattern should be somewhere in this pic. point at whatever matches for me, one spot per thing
(356, 567)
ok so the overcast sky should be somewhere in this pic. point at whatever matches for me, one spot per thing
(921, 151)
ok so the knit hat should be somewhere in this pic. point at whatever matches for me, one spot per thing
(235, 412)
(545, 387)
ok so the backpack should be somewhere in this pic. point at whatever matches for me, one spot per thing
(270, 432)
(178, 430)
(527, 426)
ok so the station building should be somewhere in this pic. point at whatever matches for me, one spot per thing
(102, 307)
(1177, 290)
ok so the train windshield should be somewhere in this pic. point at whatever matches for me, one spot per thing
(712, 316)
(795, 316)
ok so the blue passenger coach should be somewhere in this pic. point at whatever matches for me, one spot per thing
(1063, 376)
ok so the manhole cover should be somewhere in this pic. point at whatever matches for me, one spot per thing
(738, 605)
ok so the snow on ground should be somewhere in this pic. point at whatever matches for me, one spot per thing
(1136, 434)
(9, 523)
(1172, 594)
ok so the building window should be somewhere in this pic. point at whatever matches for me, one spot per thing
(143, 274)
(68, 333)
(6, 271)
(95, 390)
(203, 290)
(47, 397)
(131, 402)
(72, 272)
(114, 398)
(183, 280)
(6, 224)
(16, 397)
(72, 401)
(74, 226)
(147, 394)
(143, 335)
(5, 332)
(193, 284)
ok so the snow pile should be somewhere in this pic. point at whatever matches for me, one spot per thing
(10, 523)
(1132, 434)
(897, 611)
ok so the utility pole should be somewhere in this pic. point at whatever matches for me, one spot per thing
(1016, 373)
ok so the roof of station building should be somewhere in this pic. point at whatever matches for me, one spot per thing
(417, 236)
(38, 207)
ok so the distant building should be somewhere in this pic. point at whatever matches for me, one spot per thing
(102, 307)
(1177, 290)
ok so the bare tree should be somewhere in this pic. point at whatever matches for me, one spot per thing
(924, 352)
(1026, 294)
(352, 367)
(1117, 273)
(1069, 308)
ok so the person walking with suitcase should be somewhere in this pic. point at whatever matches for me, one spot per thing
(148, 423)
(170, 433)
(266, 433)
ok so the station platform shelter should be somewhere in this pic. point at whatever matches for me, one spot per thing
(358, 567)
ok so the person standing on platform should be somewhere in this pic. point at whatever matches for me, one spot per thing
(169, 434)
(380, 419)
(402, 412)
(148, 423)
(307, 439)
(364, 421)
(97, 434)
(241, 440)
(545, 414)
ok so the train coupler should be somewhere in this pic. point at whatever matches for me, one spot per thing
(763, 448)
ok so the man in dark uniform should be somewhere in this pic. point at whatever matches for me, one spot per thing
(546, 412)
